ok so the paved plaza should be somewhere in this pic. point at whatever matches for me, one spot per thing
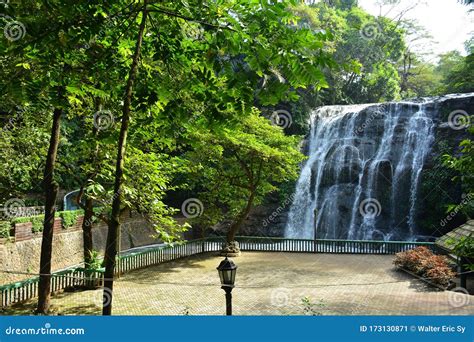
(269, 284)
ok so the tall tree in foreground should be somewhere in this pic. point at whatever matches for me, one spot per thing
(114, 224)
(50, 60)
(51, 192)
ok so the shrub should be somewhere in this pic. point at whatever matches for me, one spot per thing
(36, 222)
(464, 247)
(96, 262)
(5, 229)
(69, 217)
(423, 262)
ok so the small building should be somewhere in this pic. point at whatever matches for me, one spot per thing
(445, 244)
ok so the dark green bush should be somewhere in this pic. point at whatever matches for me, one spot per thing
(69, 218)
(5, 227)
(36, 221)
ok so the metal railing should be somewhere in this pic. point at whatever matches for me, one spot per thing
(73, 277)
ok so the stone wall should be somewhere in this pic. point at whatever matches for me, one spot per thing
(22, 254)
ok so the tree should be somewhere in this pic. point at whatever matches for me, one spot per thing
(460, 78)
(462, 161)
(237, 167)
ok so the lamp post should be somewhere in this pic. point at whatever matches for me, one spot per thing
(227, 270)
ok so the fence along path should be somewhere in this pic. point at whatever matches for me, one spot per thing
(77, 276)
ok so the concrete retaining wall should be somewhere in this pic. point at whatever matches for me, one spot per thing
(22, 254)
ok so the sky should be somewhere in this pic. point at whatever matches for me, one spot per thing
(449, 22)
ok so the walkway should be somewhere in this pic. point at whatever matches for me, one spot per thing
(270, 284)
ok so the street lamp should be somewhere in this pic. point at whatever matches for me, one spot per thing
(227, 270)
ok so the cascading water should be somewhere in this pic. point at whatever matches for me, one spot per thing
(362, 175)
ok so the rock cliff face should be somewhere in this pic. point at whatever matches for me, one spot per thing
(368, 167)
(374, 172)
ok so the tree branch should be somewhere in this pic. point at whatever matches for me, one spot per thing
(184, 17)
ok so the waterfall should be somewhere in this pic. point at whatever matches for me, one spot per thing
(361, 178)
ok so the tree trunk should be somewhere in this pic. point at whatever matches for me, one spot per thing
(114, 224)
(51, 191)
(237, 224)
(89, 205)
(87, 232)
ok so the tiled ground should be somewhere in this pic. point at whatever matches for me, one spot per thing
(270, 284)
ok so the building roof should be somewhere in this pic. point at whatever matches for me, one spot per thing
(456, 234)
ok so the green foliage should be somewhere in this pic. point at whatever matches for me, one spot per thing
(438, 191)
(366, 51)
(200, 66)
(69, 217)
(310, 308)
(36, 221)
(464, 247)
(463, 163)
(5, 228)
(235, 168)
(95, 261)
(460, 78)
